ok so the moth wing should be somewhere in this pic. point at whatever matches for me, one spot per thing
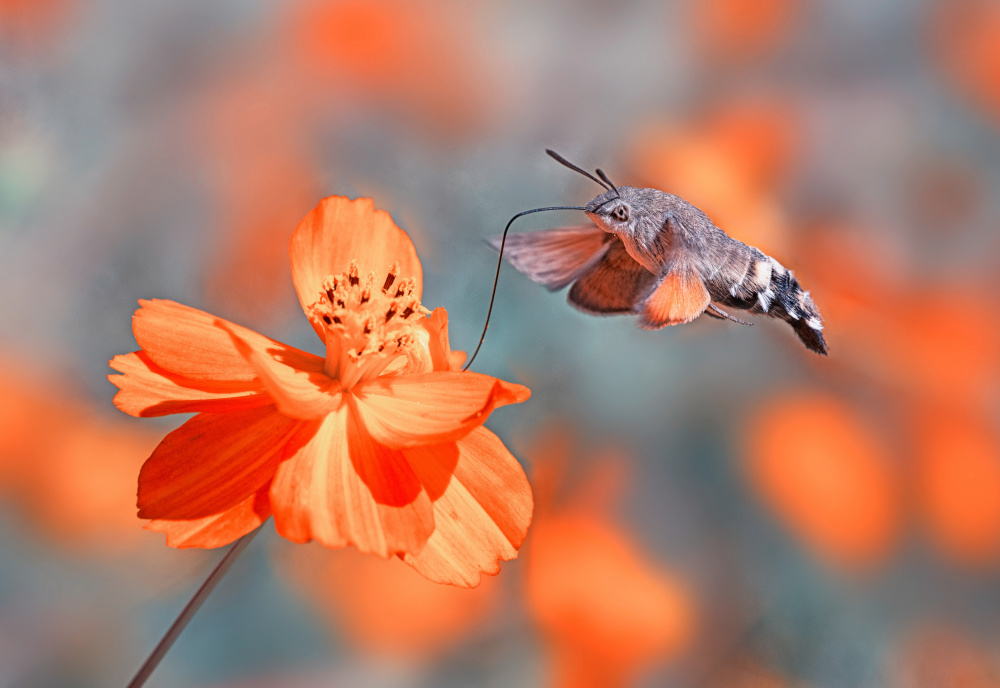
(554, 257)
(679, 297)
(615, 284)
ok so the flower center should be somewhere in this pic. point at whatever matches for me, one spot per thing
(368, 325)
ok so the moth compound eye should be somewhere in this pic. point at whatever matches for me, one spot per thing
(620, 213)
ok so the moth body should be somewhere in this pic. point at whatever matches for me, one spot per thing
(653, 254)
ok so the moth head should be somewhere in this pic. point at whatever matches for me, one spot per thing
(614, 211)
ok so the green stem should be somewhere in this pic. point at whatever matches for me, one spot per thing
(191, 609)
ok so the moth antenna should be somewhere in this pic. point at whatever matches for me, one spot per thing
(563, 161)
(496, 278)
(600, 173)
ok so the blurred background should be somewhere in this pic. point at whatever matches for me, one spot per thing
(716, 506)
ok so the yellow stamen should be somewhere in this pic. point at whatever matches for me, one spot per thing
(365, 330)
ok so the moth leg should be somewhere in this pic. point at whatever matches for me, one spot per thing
(719, 313)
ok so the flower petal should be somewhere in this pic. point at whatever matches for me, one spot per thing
(456, 359)
(340, 230)
(145, 389)
(212, 463)
(482, 512)
(190, 343)
(436, 328)
(339, 487)
(305, 394)
(219, 529)
(409, 410)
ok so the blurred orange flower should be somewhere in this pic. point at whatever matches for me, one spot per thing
(729, 164)
(384, 607)
(958, 482)
(734, 30)
(415, 55)
(933, 354)
(938, 342)
(956, 356)
(75, 484)
(378, 445)
(607, 611)
(27, 24)
(249, 129)
(827, 475)
(965, 36)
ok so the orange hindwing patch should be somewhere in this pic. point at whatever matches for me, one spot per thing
(680, 297)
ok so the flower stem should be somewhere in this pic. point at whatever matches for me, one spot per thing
(191, 609)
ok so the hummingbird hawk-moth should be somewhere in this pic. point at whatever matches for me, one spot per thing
(653, 254)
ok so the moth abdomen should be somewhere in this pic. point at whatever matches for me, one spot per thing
(811, 336)
(766, 287)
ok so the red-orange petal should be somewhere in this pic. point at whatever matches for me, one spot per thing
(212, 463)
(306, 394)
(429, 408)
(339, 487)
(190, 343)
(219, 529)
(436, 327)
(145, 389)
(340, 230)
(456, 359)
(482, 508)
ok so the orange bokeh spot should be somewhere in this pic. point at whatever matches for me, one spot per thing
(932, 341)
(857, 279)
(824, 472)
(27, 24)
(370, 39)
(958, 483)
(73, 473)
(411, 54)
(965, 36)
(853, 268)
(385, 607)
(946, 344)
(249, 129)
(742, 29)
(729, 164)
(607, 611)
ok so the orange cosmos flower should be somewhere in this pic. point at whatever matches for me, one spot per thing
(384, 608)
(73, 484)
(607, 611)
(957, 482)
(378, 444)
(827, 474)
